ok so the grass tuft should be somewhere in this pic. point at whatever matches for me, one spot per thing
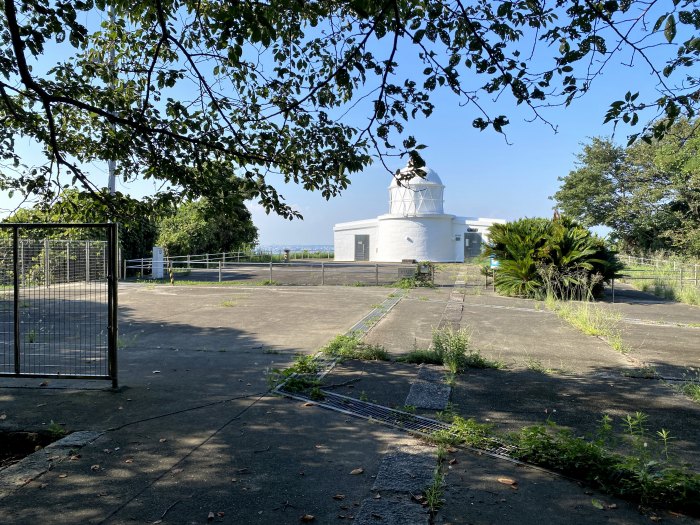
(590, 319)
(452, 349)
(350, 347)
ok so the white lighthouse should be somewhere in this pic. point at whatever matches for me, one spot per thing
(416, 227)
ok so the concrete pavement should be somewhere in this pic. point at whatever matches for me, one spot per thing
(192, 436)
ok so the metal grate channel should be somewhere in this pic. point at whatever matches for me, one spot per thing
(367, 322)
(372, 412)
(398, 419)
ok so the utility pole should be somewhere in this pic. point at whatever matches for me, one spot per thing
(112, 164)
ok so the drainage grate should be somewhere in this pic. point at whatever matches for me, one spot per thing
(372, 412)
(367, 322)
(398, 419)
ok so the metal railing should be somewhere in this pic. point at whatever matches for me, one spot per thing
(669, 272)
(291, 273)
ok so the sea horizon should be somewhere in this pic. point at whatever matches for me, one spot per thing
(295, 247)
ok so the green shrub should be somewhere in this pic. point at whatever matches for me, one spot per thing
(550, 256)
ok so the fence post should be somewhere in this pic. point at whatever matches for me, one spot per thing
(219, 271)
(113, 302)
(87, 261)
(46, 262)
(376, 274)
(15, 284)
(695, 275)
(680, 277)
(67, 261)
(323, 273)
(270, 270)
(207, 258)
(613, 290)
(21, 257)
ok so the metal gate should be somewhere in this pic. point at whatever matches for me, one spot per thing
(58, 301)
(472, 244)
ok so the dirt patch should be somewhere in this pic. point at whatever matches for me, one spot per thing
(16, 445)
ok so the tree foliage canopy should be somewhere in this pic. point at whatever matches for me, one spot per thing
(197, 227)
(647, 193)
(308, 92)
(137, 231)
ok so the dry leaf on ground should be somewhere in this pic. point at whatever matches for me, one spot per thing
(508, 481)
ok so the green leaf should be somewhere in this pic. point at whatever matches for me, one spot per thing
(670, 28)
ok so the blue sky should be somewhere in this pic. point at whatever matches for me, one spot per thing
(485, 175)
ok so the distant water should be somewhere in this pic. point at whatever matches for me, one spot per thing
(274, 248)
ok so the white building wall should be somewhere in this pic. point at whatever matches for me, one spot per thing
(462, 225)
(426, 238)
(344, 238)
(415, 228)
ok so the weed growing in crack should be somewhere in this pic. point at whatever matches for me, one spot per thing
(454, 346)
(452, 349)
(590, 319)
(435, 493)
(350, 347)
(56, 430)
(647, 473)
(690, 387)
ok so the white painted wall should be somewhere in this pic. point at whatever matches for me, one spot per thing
(344, 239)
(424, 238)
(415, 228)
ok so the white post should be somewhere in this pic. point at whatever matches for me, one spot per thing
(158, 263)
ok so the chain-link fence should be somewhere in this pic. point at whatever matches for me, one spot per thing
(59, 299)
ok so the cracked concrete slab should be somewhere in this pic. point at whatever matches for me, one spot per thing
(399, 510)
(407, 469)
(429, 395)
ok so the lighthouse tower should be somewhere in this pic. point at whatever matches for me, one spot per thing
(416, 226)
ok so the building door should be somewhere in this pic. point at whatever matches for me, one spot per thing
(362, 247)
(472, 244)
